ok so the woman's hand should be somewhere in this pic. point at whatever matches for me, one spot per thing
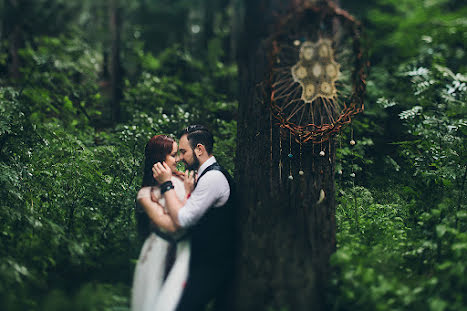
(161, 172)
(189, 182)
(155, 197)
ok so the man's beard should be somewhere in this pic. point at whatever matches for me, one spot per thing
(195, 165)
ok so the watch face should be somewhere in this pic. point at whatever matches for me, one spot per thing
(315, 73)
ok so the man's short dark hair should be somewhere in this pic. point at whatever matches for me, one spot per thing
(199, 134)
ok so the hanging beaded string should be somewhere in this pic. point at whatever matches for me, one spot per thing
(313, 149)
(290, 155)
(352, 143)
(354, 191)
(280, 156)
(322, 153)
(340, 148)
(300, 172)
(270, 138)
(313, 153)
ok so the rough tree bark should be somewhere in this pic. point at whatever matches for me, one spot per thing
(285, 236)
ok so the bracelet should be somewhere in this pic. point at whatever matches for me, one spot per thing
(166, 186)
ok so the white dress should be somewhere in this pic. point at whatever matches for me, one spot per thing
(150, 292)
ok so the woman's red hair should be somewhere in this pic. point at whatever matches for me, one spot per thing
(157, 149)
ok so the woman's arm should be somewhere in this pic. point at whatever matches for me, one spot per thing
(173, 203)
(156, 214)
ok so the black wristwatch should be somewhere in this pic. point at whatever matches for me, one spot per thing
(166, 186)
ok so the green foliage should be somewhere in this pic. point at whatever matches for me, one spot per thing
(401, 236)
(91, 296)
(396, 27)
(61, 80)
(166, 99)
(68, 180)
(386, 262)
(68, 177)
(438, 151)
(67, 209)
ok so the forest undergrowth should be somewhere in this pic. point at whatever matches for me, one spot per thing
(68, 177)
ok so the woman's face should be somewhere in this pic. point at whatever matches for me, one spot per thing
(171, 158)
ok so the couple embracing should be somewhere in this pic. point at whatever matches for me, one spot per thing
(187, 258)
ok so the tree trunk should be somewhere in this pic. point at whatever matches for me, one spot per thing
(14, 37)
(208, 23)
(115, 63)
(15, 42)
(286, 233)
(235, 20)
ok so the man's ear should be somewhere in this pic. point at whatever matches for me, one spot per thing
(201, 148)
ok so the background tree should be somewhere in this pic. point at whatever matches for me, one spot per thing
(13, 33)
(287, 232)
(116, 79)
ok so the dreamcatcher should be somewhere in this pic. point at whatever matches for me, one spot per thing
(317, 79)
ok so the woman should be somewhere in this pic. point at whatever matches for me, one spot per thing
(157, 284)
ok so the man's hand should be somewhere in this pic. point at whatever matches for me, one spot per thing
(161, 172)
(155, 196)
(189, 181)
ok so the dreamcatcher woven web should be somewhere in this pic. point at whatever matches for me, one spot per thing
(317, 72)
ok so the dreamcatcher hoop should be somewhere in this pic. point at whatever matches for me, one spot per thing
(303, 93)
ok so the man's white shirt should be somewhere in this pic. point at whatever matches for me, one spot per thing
(212, 190)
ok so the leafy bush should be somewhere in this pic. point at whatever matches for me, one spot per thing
(402, 246)
(68, 185)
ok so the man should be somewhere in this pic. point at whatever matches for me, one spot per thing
(207, 214)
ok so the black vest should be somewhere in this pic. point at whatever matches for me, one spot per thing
(212, 237)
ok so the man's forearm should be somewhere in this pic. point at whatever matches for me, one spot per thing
(173, 205)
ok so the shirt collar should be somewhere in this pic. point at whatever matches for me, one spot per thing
(208, 162)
